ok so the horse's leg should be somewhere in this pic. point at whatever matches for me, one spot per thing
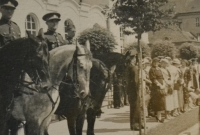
(4, 129)
(32, 128)
(13, 125)
(79, 123)
(44, 126)
(91, 118)
(71, 122)
(4, 116)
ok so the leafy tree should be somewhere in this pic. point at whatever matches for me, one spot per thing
(101, 40)
(163, 48)
(146, 51)
(188, 51)
(139, 16)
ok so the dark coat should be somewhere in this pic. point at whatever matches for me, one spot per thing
(131, 79)
(54, 39)
(158, 100)
(9, 31)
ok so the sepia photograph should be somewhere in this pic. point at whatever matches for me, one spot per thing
(99, 67)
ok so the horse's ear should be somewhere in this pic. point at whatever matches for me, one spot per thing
(127, 54)
(87, 44)
(41, 34)
(80, 49)
(28, 33)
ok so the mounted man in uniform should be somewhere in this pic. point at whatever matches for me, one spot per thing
(9, 30)
(54, 39)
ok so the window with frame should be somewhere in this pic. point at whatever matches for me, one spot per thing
(197, 22)
(31, 24)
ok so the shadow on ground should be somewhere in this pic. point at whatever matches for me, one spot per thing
(118, 118)
(105, 130)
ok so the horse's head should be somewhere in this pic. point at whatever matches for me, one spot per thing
(82, 63)
(37, 61)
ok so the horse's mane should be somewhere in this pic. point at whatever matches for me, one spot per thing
(88, 52)
(12, 57)
(110, 59)
(100, 69)
(100, 62)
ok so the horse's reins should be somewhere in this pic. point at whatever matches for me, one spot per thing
(8, 108)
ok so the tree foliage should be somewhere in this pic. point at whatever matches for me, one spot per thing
(146, 51)
(140, 15)
(101, 40)
(163, 48)
(188, 51)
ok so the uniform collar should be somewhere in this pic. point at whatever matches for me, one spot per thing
(5, 20)
(51, 31)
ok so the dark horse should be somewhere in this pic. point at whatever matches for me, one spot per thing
(72, 108)
(126, 73)
(22, 57)
(98, 87)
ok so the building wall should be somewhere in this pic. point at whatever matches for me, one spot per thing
(189, 23)
(84, 15)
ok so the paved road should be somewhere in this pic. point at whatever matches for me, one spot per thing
(116, 122)
(112, 122)
(194, 130)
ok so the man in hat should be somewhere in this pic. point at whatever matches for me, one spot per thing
(9, 30)
(54, 39)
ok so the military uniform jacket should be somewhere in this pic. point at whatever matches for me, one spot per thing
(9, 31)
(54, 39)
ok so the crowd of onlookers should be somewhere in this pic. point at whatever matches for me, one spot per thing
(171, 86)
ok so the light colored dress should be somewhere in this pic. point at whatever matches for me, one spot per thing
(174, 77)
(180, 91)
(169, 100)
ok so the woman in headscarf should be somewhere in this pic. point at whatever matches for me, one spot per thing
(157, 99)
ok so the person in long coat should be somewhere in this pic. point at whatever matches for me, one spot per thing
(157, 99)
(174, 77)
(169, 104)
(131, 79)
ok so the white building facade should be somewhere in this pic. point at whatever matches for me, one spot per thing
(28, 15)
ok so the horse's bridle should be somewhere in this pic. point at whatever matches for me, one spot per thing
(34, 80)
(75, 68)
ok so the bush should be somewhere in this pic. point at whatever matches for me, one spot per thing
(188, 51)
(101, 40)
(146, 51)
(163, 48)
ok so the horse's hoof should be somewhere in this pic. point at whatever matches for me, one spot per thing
(90, 134)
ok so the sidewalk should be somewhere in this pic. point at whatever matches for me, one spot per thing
(194, 130)
(112, 122)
